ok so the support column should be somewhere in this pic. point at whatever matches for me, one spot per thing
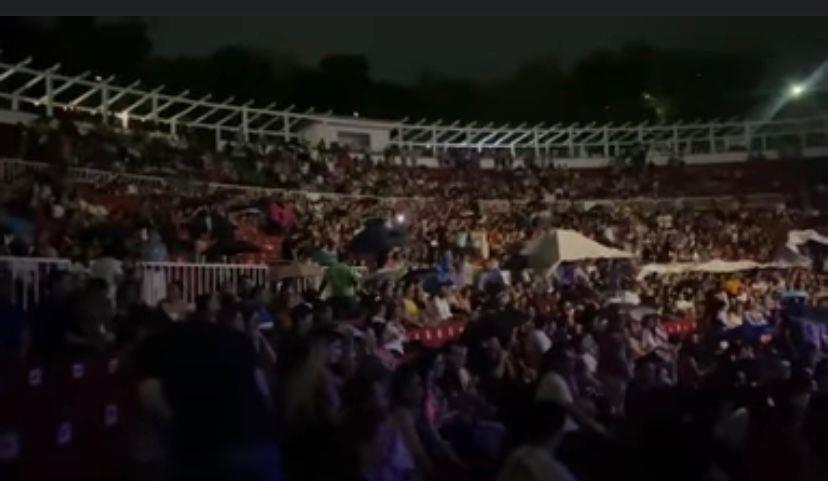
(245, 128)
(50, 106)
(105, 103)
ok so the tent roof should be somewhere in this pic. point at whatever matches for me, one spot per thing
(564, 245)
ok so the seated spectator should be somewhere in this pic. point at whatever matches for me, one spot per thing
(438, 307)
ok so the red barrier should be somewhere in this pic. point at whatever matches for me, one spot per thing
(436, 336)
(65, 421)
(679, 327)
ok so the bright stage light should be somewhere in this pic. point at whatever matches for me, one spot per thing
(400, 218)
(796, 90)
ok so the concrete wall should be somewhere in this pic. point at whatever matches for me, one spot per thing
(379, 134)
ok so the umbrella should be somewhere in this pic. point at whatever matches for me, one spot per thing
(376, 238)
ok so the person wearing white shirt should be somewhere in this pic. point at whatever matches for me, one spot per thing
(555, 385)
(441, 310)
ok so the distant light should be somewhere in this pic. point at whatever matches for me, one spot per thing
(646, 95)
(356, 114)
(98, 78)
(400, 218)
(797, 90)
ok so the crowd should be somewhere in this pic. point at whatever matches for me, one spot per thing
(85, 141)
(569, 376)
(548, 378)
(46, 215)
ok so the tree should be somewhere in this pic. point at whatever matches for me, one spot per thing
(632, 83)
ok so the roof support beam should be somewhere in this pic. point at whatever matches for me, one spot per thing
(104, 107)
(529, 133)
(265, 110)
(92, 91)
(65, 85)
(509, 134)
(493, 134)
(193, 105)
(236, 111)
(143, 98)
(15, 68)
(213, 109)
(465, 132)
(160, 108)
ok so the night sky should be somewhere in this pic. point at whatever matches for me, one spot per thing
(485, 48)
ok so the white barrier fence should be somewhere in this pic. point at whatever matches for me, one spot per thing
(12, 170)
(28, 275)
(196, 279)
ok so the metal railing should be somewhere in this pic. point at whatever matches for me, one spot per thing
(45, 90)
(28, 276)
(196, 279)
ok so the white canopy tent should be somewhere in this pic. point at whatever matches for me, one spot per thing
(563, 245)
(792, 253)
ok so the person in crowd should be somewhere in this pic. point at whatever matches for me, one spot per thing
(439, 308)
(14, 329)
(92, 329)
(214, 433)
(375, 445)
(356, 397)
(312, 404)
(341, 280)
(614, 363)
(406, 392)
(153, 248)
(536, 460)
(174, 307)
(109, 269)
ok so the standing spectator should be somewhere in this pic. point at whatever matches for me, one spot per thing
(110, 270)
(13, 329)
(536, 460)
(202, 383)
(341, 281)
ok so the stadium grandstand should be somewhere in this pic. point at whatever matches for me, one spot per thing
(201, 288)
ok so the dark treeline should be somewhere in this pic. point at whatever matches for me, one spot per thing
(630, 83)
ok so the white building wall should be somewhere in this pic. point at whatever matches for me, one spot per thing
(378, 133)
